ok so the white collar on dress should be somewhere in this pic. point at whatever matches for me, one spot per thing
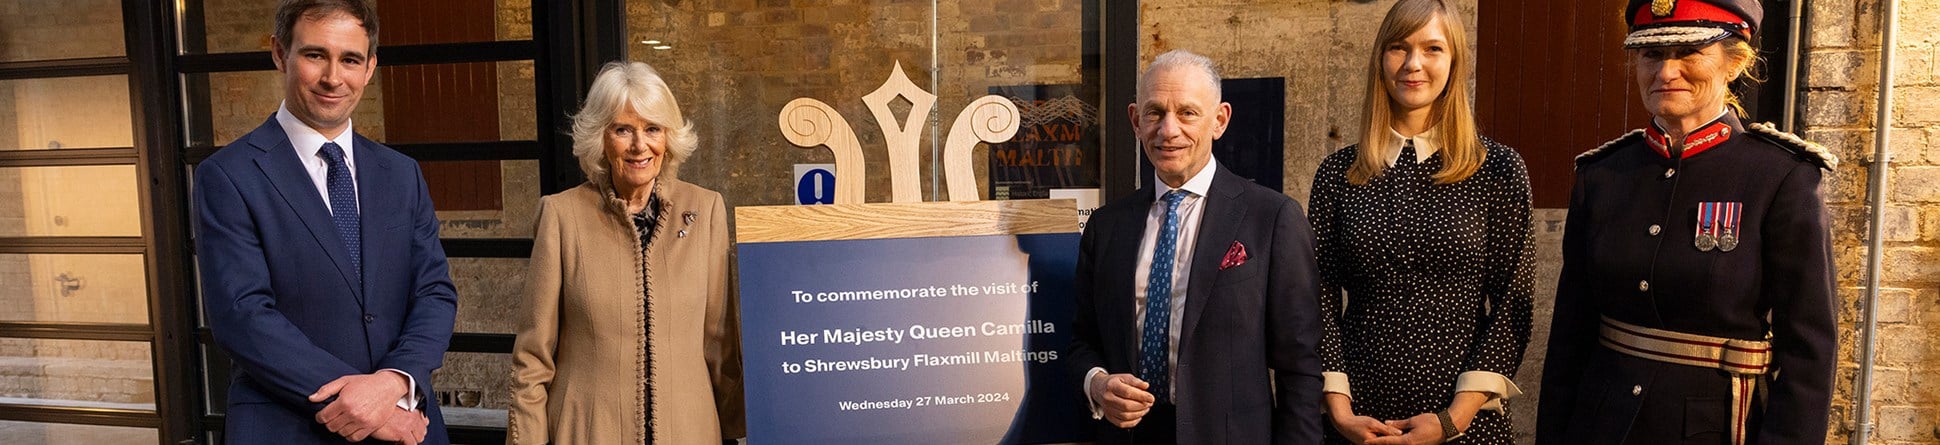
(1424, 146)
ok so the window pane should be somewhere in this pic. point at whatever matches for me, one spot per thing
(32, 433)
(60, 29)
(1034, 58)
(474, 388)
(733, 65)
(490, 293)
(73, 288)
(472, 102)
(69, 201)
(461, 102)
(76, 373)
(65, 112)
(244, 25)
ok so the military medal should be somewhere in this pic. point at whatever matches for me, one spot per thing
(1707, 227)
(1729, 225)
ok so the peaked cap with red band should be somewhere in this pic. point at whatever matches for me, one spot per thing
(1689, 22)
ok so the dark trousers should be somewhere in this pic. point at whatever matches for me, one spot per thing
(1159, 427)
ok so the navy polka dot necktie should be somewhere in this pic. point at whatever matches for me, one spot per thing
(343, 205)
(1156, 338)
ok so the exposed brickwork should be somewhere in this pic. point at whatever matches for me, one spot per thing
(1839, 111)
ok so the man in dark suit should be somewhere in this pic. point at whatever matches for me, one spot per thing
(1197, 296)
(322, 274)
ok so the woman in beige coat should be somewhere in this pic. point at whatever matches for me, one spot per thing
(629, 334)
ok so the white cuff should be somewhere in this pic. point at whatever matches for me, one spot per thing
(410, 400)
(1498, 387)
(1097, 412)
(1335, 382)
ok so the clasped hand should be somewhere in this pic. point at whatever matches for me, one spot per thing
(1123, 397)
(1423, 429)
(366, 407)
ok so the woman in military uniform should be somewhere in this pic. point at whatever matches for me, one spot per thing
(1696, 300)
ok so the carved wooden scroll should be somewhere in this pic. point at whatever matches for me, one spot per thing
(811, 123)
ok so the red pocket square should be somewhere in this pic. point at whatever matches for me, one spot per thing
(1235, 256)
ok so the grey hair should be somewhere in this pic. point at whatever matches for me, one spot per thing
(638, 86)
(1179, 58)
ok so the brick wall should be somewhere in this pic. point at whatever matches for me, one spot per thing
(1839, 111)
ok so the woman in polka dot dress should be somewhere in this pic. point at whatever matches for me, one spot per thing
(1425, 252)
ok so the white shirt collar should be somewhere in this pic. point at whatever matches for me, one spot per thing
(308, 141)
(1197, 186)
(1424, 146)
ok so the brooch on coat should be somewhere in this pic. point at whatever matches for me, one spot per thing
(686, 220)
(1717, 225)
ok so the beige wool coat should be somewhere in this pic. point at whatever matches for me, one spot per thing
(578, 361)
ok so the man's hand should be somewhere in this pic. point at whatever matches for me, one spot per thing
(364, 402)
(405, 427)
(1424, 429)
(1123, 398)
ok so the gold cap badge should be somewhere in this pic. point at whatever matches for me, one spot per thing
(1663, 8)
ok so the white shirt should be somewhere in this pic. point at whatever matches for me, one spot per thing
(308, 143)
(1190, 211)
(309, 147)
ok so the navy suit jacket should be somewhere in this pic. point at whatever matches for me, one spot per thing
(281, 297)
(1248, 369)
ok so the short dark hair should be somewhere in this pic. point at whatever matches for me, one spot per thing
(289, 11)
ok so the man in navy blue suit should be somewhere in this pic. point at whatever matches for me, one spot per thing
(1198, 296)
(322, 273)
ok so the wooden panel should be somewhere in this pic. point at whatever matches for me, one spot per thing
(1552, 80)
(444, 103)
(904, 220)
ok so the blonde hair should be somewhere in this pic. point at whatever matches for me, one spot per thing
(637, 86)
(1461, 144)
(1743, 62)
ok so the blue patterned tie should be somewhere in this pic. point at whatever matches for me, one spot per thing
(343, 205)
(1154, 342)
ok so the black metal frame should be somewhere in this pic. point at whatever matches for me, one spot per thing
(49, 69)
(1121, 154)
(149, 55)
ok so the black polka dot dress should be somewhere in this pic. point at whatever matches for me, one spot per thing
(1423, 282)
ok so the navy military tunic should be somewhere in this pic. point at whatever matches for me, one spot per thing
(1632, 252)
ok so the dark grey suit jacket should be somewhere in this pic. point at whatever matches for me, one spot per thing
(1248, 371)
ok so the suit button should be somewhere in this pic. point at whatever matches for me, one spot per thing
(368, 319)
(1643, 286)
(1654, 229)
(1637, 390)
(1669, 172)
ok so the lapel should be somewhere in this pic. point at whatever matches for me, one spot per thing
(1121, 292)
(279, 163)
(380, 204)
(1217, 228)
